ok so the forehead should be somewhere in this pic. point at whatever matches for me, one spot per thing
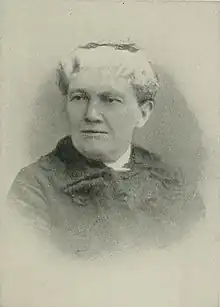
(100, 79)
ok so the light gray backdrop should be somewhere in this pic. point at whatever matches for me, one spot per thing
(182, 40)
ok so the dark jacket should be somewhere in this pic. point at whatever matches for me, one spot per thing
(87, 208)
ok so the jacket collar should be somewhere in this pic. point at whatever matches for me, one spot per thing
(71, 157)
(68, 154)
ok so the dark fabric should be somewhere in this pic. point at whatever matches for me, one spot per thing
(87, 208)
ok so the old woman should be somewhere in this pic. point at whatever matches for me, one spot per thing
(96, 191)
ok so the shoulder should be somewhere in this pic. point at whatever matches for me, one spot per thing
(38, 172)
(51, 161)
(144, 155)
(167, 174)
(35, 170)
(48, 170)
(179, 204)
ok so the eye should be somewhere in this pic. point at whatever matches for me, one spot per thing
(110, 99)
(78, 96)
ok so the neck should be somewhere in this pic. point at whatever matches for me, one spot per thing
(100, 157)
(124, 159)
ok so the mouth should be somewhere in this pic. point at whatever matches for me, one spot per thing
(93, 132)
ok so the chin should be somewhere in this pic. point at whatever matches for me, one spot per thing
(98, 155)
(93, 149)
(100, 150)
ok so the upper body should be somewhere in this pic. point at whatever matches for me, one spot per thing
(87, 207)
(81, 194)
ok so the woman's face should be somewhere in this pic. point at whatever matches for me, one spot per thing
(103, 112)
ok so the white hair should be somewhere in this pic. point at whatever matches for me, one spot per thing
(129, 62)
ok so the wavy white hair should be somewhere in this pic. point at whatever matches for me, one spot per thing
(129, 61)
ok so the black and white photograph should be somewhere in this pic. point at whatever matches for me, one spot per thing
(110, 154)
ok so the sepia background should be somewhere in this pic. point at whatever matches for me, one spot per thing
(182, 40)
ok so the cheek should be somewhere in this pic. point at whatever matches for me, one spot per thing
(123, 123)
(130, 115)
(74, 113)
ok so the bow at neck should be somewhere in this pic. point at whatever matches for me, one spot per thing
(91, 181)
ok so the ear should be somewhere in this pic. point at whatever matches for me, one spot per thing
(62, 79)
(146, 109)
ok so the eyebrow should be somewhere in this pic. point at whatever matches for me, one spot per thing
(103, 93)
(77, 90)
(113, 93)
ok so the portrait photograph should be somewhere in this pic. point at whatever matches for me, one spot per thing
(110, 154)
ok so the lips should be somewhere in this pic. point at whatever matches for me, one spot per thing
(93, 131)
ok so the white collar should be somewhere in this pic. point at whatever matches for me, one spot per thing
(118, 165)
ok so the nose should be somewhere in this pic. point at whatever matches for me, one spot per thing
(92, 113)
